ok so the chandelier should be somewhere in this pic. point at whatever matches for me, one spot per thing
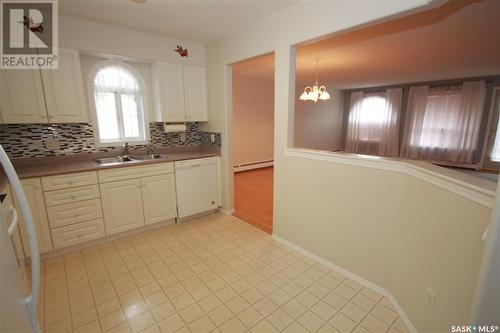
(316, 92)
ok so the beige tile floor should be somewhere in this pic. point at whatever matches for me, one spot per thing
(215, 273)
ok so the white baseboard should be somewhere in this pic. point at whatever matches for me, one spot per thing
(227, 211)
(362, 281)
(252, 166)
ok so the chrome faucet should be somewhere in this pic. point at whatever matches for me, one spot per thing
(125, 149)
(149, 149)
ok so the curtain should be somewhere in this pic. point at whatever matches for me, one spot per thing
(373, 125)
(443, 125)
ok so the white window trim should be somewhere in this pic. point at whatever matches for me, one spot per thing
(93, 111)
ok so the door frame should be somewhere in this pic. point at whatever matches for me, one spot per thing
(229, 174)
(489, 137)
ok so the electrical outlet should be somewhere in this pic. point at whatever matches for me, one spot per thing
(183, 137)
(52, 144)
(430, 299)
(212, 137)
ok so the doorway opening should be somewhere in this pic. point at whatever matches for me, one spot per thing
(253, 140)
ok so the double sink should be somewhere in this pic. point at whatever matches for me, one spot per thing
(128, 159)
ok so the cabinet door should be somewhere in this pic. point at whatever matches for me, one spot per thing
(158, 194)
(33, 190)
(64, 90)
(195, 91)
(21, 97)
(168, 89)
(122, 205)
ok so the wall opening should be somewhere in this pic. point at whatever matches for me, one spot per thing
(394, 93)
(253, 140)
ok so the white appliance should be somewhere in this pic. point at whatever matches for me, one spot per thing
(18, 312)
(197, 186)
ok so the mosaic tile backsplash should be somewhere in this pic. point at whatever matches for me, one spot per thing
(29, 140)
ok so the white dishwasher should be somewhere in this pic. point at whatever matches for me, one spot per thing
(197, 187)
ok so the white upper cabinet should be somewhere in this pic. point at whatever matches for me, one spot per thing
(179, 92)
(22, 99)
(195, 91)
(44, 96)
(168, 91)
(64, 90)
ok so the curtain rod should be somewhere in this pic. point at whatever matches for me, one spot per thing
(431, 84)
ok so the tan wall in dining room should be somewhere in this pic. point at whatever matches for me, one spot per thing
(253, 120)
(319, 125)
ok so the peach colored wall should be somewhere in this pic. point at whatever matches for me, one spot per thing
(319, 125)
(253, 120)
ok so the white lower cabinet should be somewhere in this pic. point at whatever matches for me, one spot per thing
(158, 195)
(70, 209)
(33, 190)
(77, 233)
(122, 205)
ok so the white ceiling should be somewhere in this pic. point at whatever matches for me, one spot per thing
(449, 42)
(200, 21)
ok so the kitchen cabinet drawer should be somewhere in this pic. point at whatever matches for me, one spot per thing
(74, 212)
(77, 233)
(70, 195)
(132, 172)
(51, 183)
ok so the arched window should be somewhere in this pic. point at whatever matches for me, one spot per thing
(117, 92)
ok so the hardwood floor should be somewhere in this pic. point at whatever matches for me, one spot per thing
(253, 197)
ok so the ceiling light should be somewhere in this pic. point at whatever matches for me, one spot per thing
(316, 92)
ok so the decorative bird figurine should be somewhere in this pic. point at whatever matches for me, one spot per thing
(182, 51)
(34, 27)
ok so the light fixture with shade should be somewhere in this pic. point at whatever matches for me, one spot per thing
(316, 92)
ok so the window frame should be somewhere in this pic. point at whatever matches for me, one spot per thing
(93, 109)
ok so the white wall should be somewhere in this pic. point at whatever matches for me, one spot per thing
(319, 125)
(395, 230)
(97, 38)
(253, 120)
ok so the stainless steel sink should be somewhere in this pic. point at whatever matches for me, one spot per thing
(128, 159)
(114, 160)
(148, 157)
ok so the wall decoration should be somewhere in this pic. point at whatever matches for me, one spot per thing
(182, 51)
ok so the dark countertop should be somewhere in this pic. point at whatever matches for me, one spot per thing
(48, 166)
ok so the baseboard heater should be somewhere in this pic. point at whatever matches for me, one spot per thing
(253, 165)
